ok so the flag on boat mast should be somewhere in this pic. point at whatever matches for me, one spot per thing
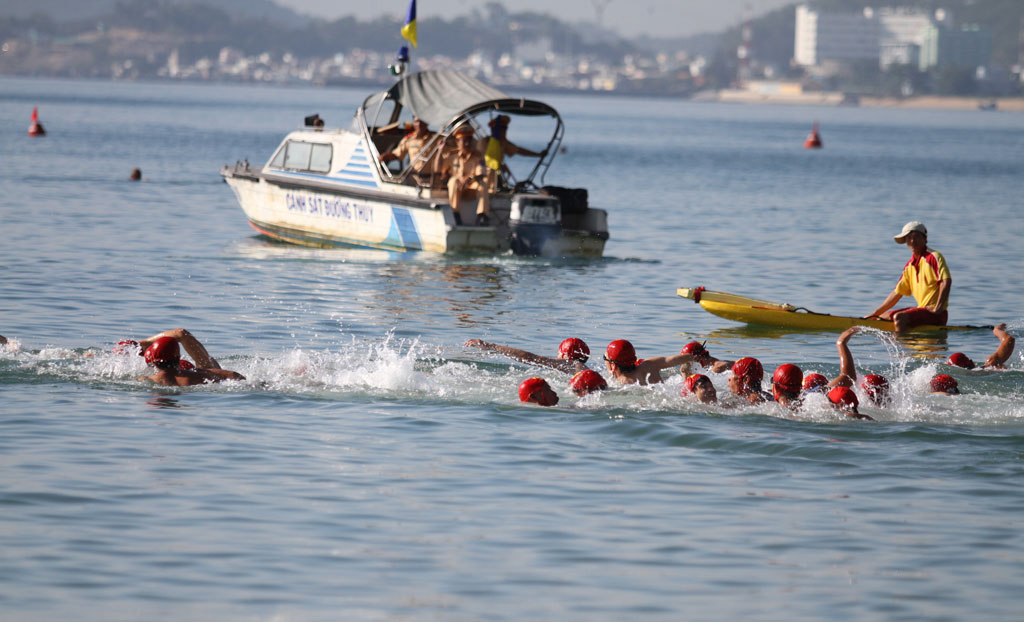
(409, 30)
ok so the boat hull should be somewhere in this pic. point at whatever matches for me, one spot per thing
(317, 215)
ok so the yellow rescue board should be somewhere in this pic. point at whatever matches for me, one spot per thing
(754, 311)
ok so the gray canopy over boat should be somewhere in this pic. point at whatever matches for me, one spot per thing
(440, 97)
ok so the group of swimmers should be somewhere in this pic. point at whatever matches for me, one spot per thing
(789, 385)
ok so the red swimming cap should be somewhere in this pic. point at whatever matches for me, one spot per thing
(788, 377)
(748, 367)
(574, 349)
(620, 351)
(127, 346)
(843, 397)
(587, 381)
(184, 365)
(691, 382)
(532, 385)
(695, 348)
(877, 387)
(813, 382)
(960, 360)
(162, 350)
(944, 383)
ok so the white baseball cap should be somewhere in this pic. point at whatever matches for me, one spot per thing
(908, 228)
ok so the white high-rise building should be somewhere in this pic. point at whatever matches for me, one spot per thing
(887, 35)
(835, 36)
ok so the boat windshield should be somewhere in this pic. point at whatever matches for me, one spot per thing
(449, 100)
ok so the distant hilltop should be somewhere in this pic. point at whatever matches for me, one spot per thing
(259, 41)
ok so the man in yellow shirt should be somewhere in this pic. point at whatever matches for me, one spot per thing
(925, 277)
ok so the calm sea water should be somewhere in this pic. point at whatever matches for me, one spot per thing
(371, 468)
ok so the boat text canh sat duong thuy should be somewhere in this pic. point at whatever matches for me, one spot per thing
(325, 187)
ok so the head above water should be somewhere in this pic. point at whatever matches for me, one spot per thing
(843, 398)
(587, 381)
(944, 384)
(877, 388)
(959, 359)
(573, 349)
(787, 380)
(814, 382)
(620, 352)
(537, 391)
(747, 374)
(164, 353)
(700, 386)
(697, 349)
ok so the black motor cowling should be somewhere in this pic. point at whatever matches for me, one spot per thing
(536, 224)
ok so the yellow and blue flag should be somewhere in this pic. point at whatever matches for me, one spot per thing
(409, 30)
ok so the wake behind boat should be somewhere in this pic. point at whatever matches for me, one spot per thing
(764, 312)
(327, 187)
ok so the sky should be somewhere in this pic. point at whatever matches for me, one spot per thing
(631, 18)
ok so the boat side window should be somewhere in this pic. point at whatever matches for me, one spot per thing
(302, 156)
(297, 155)
(320, 159)
(278, 159)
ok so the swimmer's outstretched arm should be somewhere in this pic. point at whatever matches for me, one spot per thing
(847, 372)
(661, 362)
(192, 345)
(1005, 349)
(521, 355)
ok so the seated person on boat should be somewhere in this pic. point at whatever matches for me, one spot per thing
(411, 146)
(467, 176)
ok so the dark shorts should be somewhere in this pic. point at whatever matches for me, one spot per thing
(919, 316)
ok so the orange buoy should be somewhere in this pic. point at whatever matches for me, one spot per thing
(36, 128)
(813, 139)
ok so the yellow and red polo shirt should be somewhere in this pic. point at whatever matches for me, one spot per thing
(921, 278)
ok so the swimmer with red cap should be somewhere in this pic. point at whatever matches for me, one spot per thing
(944, 384)
(621, 361)
(787, 383)
(537, 391)
(586, 382)
(572, 357)
(996, 360)
(745, 380)
(699, 386)
(814, 383)
(703, 358)
(845, 400)
(163, 352)
(876, 387)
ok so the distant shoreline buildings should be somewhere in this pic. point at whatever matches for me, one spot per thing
(892, 36)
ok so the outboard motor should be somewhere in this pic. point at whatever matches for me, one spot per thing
(536, 223)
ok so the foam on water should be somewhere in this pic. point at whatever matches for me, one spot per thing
(397, 369)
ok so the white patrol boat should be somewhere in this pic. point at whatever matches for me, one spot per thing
(327, 187)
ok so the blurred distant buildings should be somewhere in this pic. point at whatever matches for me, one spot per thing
(890, 36)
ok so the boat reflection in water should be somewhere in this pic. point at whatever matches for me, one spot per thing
(328, 187)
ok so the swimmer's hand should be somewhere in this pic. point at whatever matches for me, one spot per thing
(478, 343)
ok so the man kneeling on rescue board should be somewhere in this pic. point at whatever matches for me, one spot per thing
(572, 354)
(926, 277)
(620, 360)
(162, 351)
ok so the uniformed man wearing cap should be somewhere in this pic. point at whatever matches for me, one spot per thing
(925, 277)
